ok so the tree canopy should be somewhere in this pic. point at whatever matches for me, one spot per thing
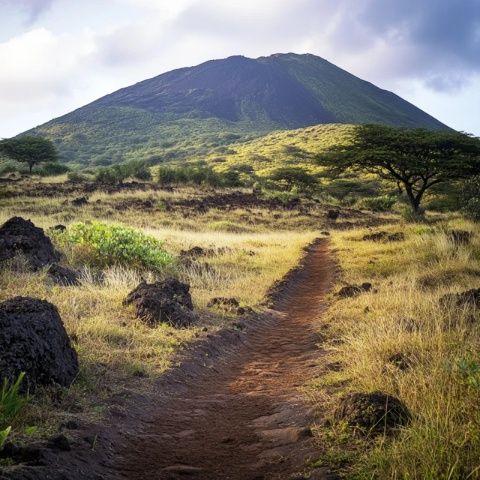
(415, 159)
(290, 177)
(29, 149)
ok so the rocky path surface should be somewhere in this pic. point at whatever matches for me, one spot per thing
(243, 419)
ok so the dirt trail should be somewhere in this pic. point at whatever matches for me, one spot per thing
(243, 419)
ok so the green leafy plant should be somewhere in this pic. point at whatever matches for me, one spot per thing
(110, 244)
(11, 403)
(4, 435)
(469, 371)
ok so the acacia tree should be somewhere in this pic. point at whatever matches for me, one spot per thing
(29, 149)
(414, 159)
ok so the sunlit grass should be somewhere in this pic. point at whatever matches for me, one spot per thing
(403, 316)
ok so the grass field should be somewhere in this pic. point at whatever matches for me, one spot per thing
(438, 376)
(117, 352)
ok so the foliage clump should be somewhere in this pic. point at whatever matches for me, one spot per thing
(102, 245)
(471, 198)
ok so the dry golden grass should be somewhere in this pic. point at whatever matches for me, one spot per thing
(441, 383)
(116, 350)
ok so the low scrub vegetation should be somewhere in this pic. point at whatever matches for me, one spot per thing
(102, 245)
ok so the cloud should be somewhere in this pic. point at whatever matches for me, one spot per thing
(71, 53)
(30, 9)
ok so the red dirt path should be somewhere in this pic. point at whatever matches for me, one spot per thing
(244, 418)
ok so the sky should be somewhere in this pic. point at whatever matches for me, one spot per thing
(57, 55)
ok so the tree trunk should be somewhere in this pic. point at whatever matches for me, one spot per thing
(30, 166)
(415, 200)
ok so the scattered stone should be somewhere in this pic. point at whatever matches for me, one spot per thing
(460, 237)
(230, 305)
(468, 298)
(384, 237)
(59, 442)
(21, 237)
(63, 276)
(59, 227)
(326, 233)
(193, 252)
(33, 340)
(354, 290)
(333, 214)
(80, 201)
(168, 301)
(375, 412)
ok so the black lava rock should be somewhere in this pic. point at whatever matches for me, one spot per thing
(33, 340)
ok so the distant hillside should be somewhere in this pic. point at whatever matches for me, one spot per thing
(281, 148)
(189, 111)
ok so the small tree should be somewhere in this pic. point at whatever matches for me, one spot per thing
(414, 159)
(290, 177)
(30, 150)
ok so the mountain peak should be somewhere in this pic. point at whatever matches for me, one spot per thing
(237, 95)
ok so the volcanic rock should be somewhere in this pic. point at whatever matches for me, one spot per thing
(168, 301)
(21, 237)
(33, 340)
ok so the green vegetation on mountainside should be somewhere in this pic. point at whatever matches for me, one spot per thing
(281, 149)
(188, 112)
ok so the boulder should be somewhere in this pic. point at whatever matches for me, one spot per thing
(372, 413)
(33, 340)
(21, 237)
(468, 298)
(168, 301)
(354, 290)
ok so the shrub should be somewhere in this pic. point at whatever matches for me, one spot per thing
(103, 245)
(383, 203)
(51, 169)
(198, 174)
(471, 198)
(111, 175)
(288, 178)
(76, 177)
(139, 170)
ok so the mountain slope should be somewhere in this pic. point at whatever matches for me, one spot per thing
(190, 111)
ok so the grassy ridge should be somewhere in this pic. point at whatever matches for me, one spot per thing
(282, 148)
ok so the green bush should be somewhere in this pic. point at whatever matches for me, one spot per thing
(76, 177)
(383, 203)
(198, 174)
(103, 245)
(52, 168)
